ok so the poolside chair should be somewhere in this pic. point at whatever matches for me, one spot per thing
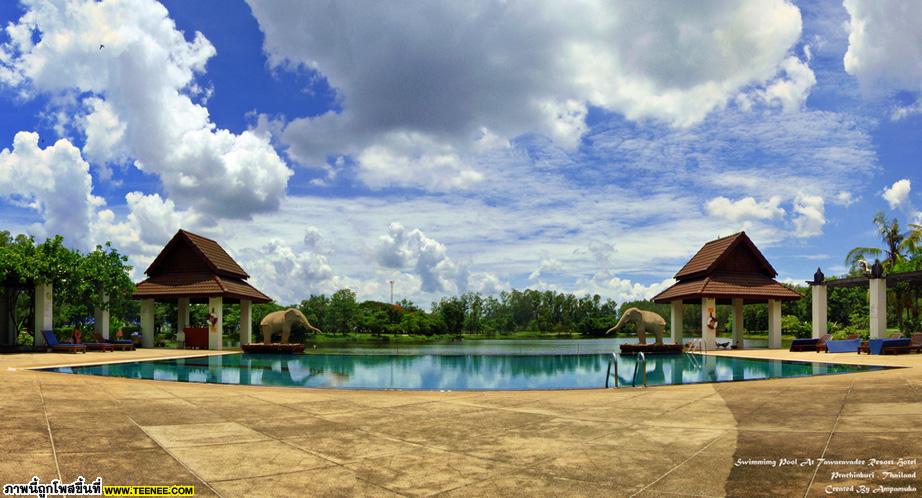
(804, 344)
(91, 346)
(116, 344)
(915, 342)
(900, 345)
(843, 346)
(821, 343)
(52, 341)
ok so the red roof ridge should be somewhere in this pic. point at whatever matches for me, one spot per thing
(218, 281)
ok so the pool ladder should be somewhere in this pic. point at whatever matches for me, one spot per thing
(612, 361)
(641, 360)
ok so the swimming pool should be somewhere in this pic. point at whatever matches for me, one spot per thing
(456, 372)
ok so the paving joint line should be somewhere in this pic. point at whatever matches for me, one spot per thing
(54, 452)
(683, 462)
(174, 457)
(826, 447)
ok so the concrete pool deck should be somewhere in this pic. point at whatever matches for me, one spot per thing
(263, 441)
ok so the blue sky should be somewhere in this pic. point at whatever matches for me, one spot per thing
(461, 146)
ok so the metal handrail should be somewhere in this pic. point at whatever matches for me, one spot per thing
(641, 358)
(612, 361)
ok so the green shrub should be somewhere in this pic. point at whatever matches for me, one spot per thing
(792, 325)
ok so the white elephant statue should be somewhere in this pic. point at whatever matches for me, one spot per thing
(644, 321)
(282, 321)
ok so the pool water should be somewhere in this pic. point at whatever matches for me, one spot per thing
(457, 372)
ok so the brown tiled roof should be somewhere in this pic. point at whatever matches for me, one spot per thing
(751, 286)
(175, 285)
(213, 255)
(712, 253)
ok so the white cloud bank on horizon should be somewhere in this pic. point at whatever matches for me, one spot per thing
(422, 85)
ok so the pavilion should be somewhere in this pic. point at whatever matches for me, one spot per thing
(192, 269)
(729, 270)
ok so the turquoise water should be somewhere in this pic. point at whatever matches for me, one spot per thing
(456, 372)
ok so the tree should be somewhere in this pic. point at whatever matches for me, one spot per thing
(896, 246)
(343, 311)
(99, 281)
(451, 312)
(896, 243)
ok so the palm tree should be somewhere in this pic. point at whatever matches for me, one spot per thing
(897, 244)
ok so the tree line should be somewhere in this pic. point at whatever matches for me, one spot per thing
(80, 277)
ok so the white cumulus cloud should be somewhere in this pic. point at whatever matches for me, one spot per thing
(809, 215)
(55, 181)
(746, 208)
(138, 71)
(884, 45)
(897, 195)
(448, 70)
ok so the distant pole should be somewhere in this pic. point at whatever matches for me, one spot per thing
(392, 290)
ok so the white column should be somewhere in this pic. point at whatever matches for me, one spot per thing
(675, 321)
(819, 307)
(182, 316)
(215, 331)
(246, 322)
(147, 323)
(44, 296)
(774, 324)
(878, 307)
(101, 315)
(738, 322)
(708, 306)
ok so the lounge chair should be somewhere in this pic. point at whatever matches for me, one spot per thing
(116, 344)
(804, 344)
(52, 341)
(916, 342)
(897, 346)
(843, 346)
(821, 343)
(91, 346)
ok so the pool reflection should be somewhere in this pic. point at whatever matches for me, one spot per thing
(456, 372)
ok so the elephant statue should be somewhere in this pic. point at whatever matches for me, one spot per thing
(282, 321)
(643, 321)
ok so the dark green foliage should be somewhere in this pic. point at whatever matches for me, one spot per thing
(80, 281)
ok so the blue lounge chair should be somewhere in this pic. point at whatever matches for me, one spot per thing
(52, 341)
(843, 346)
(888, 346)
